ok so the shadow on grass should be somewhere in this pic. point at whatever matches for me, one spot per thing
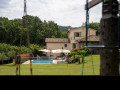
(10, 65)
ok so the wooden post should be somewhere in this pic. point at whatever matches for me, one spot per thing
(92, 4)
(109, 58)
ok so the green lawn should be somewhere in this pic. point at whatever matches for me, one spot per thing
(56, 69)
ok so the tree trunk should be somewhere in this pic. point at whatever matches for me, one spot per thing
(82, 59)
(109, 64)
(2, 61)
(67, 58)
(79, 61)
(74, 59)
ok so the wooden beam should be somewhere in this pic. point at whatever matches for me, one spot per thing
(93, 3)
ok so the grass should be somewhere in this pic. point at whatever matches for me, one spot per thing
(56, 69)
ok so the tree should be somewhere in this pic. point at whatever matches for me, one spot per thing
(11, 30)
(96, 26)
(11, 54)
(34, 48)
(64, 35)
(73, 53)
(3, 57)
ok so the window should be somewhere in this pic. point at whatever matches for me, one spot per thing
(65, 45)
(74, 45)
(77, 34)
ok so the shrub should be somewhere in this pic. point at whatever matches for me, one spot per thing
(4, 47)
(11, 54)
(34, 48)
(3, 56)
(24, 49)
(8, 51)
(78, 53)
(73, 53)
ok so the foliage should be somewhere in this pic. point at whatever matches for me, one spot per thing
(79, 56)
(64, 28)
(24, 50)
(72, 53)
(34, 48)
(8, 51)
(11, 54)
(81, 52)
(78, 53)
(3, 56)
(95, 25)
(64, 34)
(62, 55)
(11, 30)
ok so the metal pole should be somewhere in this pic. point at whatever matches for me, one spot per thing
(16, 69)
(119, 24)
(87, 10)
(50, 54)
(25, 8)
(19, 63)
(62, 53)
(19, 67)
(31, 65)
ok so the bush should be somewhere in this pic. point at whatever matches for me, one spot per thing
(11, 54)
(73, 53)
(62, 55)
(78, 53)
(34, 48)
(3, 56)
(4, 47)
(8, 51)
(24, 50)
(14, 48)
(79, 56)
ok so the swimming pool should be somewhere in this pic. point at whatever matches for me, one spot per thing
(42, 62)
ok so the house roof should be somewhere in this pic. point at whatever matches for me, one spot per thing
(82, 27)
(57, 40)
(91, 38)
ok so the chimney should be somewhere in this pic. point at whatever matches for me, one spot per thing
(69, 28)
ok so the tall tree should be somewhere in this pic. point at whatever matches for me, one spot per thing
(10, 30)
(95, 25)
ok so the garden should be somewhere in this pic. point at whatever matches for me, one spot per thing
(8, 52)
(56, 69)
(90, 66)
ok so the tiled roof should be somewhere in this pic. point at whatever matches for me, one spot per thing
(57, 40)
(82, 27)
(91, 38)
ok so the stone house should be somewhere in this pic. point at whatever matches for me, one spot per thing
(76, 39)
(77, 36)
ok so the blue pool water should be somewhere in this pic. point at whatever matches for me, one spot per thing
(42, 62)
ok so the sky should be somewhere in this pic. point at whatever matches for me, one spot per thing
(62, 12)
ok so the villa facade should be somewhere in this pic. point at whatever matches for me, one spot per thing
(76, 39)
